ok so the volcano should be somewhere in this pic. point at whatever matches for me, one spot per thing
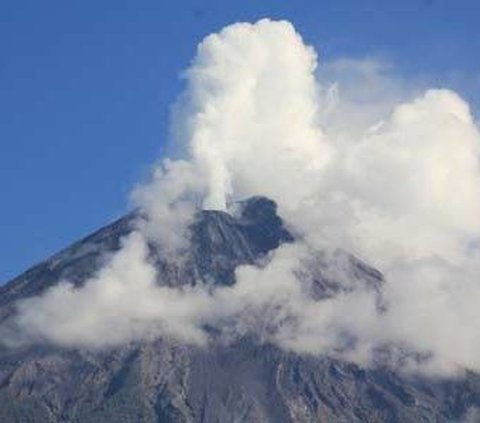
(245, 380)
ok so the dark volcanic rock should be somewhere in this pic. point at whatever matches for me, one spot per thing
(247, 381)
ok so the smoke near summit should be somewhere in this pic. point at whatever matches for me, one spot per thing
(387, 182)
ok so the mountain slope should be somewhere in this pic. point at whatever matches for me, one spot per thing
(165, 381)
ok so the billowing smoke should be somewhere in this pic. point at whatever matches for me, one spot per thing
(391, 177)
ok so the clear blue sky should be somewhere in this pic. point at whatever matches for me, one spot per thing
(85, 89)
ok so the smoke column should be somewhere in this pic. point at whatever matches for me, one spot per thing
(397, 185)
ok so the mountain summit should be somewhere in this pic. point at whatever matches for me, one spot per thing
(245, 380)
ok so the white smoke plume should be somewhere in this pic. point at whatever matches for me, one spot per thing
(393, 179)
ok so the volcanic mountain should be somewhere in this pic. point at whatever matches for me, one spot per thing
(245, 380)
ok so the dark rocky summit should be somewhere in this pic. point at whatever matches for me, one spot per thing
(246, 381)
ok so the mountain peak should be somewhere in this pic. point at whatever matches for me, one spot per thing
(219, 243)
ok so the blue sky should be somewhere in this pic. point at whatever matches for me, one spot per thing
(85, 89)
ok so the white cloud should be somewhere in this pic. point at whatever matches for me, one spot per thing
(392, 180)
(249, 113)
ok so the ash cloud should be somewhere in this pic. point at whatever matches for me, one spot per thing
(387, 173)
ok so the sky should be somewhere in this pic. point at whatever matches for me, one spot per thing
(86, 89)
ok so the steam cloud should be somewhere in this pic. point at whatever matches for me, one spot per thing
(392, 181)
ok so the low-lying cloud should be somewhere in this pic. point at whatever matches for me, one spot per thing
(393, 181)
